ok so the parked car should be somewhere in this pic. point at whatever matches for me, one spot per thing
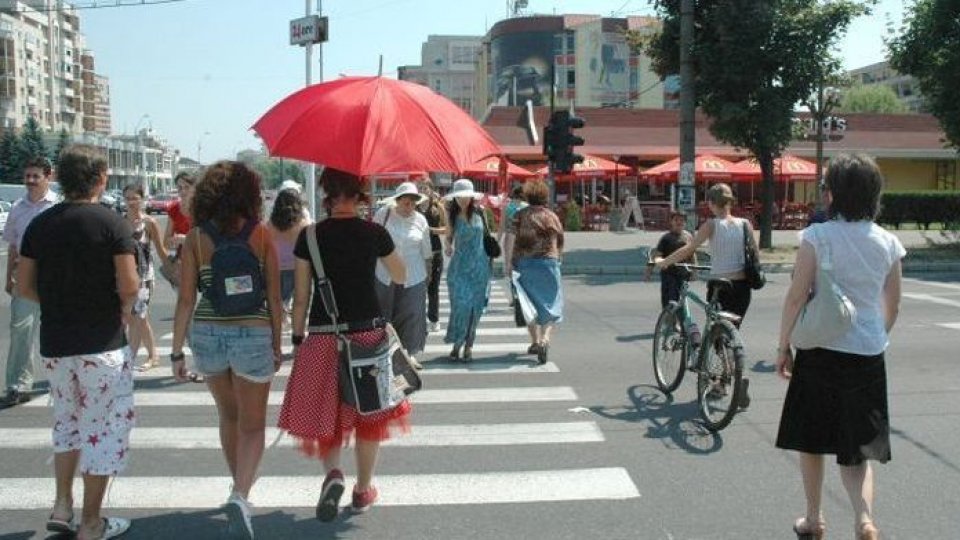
(4, 212)
(112, 202)
(160, 203)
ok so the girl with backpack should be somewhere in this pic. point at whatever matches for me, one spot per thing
(146, 232)
(235, 327)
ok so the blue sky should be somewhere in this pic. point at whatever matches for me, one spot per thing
(205, 70)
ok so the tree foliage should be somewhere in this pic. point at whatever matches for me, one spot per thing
(755, 60)
(31, 140)
(274, 171)
(63, 141)
(928, 48)
(875, 98)
(10, 158)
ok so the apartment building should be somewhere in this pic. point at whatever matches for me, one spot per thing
(447, 65)
(96, 96)
(42, 71)
(904, 86)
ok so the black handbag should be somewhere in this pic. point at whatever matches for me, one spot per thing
(375, 377)
(490, 244)
(756, 277)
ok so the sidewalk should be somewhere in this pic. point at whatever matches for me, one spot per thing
(619, 253)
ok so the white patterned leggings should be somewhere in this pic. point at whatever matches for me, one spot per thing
(93, 408)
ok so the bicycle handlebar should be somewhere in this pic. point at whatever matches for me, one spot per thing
(687, 266)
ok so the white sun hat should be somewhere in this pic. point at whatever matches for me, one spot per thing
(291, 185)
(407, 188)
(462, 188)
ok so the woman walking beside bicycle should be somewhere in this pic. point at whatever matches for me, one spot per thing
(727, 259)
(836, 402)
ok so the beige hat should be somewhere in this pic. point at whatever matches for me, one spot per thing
(407, 188)
(462, 188)
(720, 194)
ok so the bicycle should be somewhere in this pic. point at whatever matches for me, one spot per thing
(718, 360)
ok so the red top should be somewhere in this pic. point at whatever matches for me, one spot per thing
(181, 222)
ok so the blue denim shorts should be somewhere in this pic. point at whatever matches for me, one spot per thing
(246, 350)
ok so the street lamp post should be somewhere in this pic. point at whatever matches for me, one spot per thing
(142, 176)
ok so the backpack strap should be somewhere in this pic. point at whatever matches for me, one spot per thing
(211, 229)
(386, 217)
(325, 287)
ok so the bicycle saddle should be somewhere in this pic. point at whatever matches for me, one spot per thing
(721, 284)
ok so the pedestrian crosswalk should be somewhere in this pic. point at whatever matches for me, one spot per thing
(500, 350)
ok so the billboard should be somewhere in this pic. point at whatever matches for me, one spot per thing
(521, 68)
(603, 58)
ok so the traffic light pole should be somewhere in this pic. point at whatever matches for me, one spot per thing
(551, 175)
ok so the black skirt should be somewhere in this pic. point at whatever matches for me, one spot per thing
(837, 404)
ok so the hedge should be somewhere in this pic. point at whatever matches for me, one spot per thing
(921, 207)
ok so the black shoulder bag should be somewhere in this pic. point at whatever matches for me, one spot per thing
(490, 244)
(756, 278)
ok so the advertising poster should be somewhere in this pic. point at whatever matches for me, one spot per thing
(521, 64)
(604, 58)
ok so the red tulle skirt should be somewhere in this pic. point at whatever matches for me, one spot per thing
(313, 412)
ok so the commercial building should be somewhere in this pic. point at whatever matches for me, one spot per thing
(41, 68)
(904, 86)
(145, 158)
(584, 59)
(448, 65)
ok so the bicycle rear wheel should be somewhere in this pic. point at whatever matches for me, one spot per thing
(669, 352)
(720, 375)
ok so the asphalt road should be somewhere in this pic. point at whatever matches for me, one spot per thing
(584, 448)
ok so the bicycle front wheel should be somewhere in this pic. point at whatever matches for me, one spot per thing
(720, 375)
(669, 352)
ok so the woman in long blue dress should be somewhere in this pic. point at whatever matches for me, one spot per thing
(468, 274)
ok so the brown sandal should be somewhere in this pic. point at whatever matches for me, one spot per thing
(195, 377)
(867, 531)
(149, 364)
(807, 531)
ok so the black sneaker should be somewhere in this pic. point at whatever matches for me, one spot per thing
(15, 397)
(745, 397)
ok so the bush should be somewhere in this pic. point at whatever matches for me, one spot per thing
(572, 217)
(921, 207)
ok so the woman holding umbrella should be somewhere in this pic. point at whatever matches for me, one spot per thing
(468, 275)
(536, 257)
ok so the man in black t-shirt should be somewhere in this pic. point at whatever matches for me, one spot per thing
(672, 277)
(77, 262)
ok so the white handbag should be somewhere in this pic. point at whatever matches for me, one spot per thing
(828, 314)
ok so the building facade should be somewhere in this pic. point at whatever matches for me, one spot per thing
(96, 97)
(583, 60)
(904, 86)
(40, 65)
(447, 65)
(145, 158)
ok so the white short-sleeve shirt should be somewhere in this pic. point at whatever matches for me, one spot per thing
(862, 254)
(22, 213)
(411, 236)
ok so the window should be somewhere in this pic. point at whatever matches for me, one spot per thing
(463, 55)
(571, 42)
(558, 44)
(571, 78)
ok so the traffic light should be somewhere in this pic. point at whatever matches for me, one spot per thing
(559, 141)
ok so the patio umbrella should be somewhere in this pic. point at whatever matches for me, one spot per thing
(372, 125)
(592, 166)
(488, 168)
(706, 167)
(787, 168)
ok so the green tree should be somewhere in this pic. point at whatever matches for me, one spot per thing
(62, 142)
(876, 98)
(274, 171)
(10, 159)
(31, 140)
(755, 60)
(928, 48)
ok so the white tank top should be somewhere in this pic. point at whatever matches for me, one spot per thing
(726, 247)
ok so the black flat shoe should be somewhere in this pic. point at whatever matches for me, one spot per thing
(455, 355)
(533, 349)
(468, 354)
(542, 352)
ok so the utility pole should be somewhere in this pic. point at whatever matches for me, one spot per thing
(686, 192)
(311, 179)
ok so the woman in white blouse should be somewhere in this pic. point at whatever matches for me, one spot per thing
(405, 305)
(837, 399)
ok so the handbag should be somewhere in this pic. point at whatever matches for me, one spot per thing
(490, 244)
(170, 269)
(373, 378)
(756, 277)
(828, 314)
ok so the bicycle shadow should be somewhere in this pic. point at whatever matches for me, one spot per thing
(665, 419)
(635, 337)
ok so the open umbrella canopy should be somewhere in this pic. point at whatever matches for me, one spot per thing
(490, 168)
(706, 167)
(787, 168)
(371, 125)
(593, 166)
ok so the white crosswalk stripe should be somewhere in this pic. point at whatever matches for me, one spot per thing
(500, 350)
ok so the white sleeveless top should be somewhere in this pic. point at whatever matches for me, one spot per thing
(862, 254)
(726, 247)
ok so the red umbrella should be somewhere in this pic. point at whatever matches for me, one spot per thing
(706, 167)
(786, 168)
(371, 125)
(592, 166)
(490, 168)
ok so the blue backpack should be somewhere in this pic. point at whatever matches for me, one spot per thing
(237, 286)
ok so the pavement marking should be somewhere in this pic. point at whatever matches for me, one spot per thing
(421, 435)
(424, 397)
(611, 483)
(952, 326)
(932, 299)
(477, 367)
(951, 286)
(519, 347)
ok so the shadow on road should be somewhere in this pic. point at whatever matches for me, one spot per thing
(635, 337)
(664, 419)
(925, 449)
